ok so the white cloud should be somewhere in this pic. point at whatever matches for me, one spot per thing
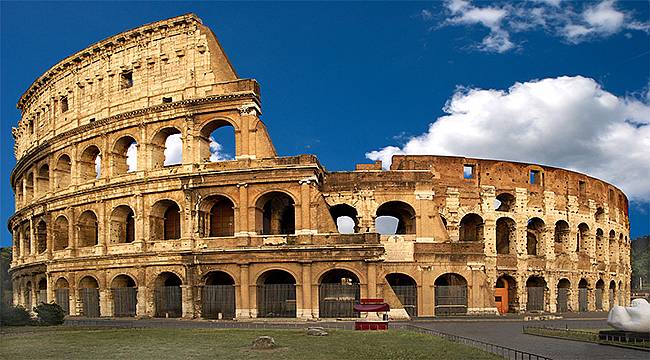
(216, 152)
(570, 122)
(98, 166)
(132, 157)
(574, 22)
(173, 150)
(345, 225)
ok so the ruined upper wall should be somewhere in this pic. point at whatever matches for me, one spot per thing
(174, 59)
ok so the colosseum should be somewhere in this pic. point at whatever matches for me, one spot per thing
(108, 224)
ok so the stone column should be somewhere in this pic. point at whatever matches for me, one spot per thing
(187, 301)
(372, 280)
(105, 302)
(242, 227)
(307, 305)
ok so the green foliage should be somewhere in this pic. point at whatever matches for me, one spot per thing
(640, 254)
(5, 279)
(14, 316)
(49, 314)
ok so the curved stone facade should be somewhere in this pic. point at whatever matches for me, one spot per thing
(258, 236)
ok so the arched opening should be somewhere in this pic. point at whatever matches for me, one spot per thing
(18, 190)
(600, 245)
(563, 293)
(43, 180)
(471, 228)
(62, 172)
(88, 229)
(167, 295)
(613, 248)
(338, 291)
(29, 187)
(600, 215)
(505, 202)
(89, 296)
(89, 164)
(535, 289)
(41, 237)
(450, 295)
(62, 294)
(125, 156)
(561, 237)
(218, 296)
(583, 295)
(620, 293)
(600, 289)
(535, 230)
(217, 216)
(505, 294)
(506, 235)
(345, 217)
(583, 238)
(167, 148)
(612, 294)
(122, 225)
(217, 141)
(27, 297)
(276, 295)
(165, 220)
(26, 236)
(275, 214)
(125, 296)
(61, 233)
(395, 218)
(406, 290)
(41, 295)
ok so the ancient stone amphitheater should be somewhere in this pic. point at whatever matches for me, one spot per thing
(107, 224)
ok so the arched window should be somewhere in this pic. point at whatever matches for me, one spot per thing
(165, 221)
(395, 217)
(561, 237)
(62, 294)
(122, 225)
(167, 295)
(276, 294)
(506, 235)
(29, 187)
(613, 247)
(583, 238)
(62, 172)
(217, 216)
(61, 231)
(275, 214)
(43, 180)
(563, 291)
(89, 296)
(471, 228)
(167, 147)
(90, 164)
(338, 291)
(504, 202)
(25, 235)
(218, 300)
(125, 296)
(450, 295)
(600, 245)
(125, 156)
(600, 215)
(88, 229)
(217, 141)
(345, 217)
(41, 237)
(536, 289)
(583, 295)
(406, 290)
(534, 235)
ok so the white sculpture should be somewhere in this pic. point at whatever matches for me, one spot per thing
(634, 318)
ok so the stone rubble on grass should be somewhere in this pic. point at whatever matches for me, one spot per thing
(316, 331)
(263, 343)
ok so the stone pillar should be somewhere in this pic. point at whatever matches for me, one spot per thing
(242, 227)
(141, 306)
(244, 309)
(372, 280)
(426, 216)
(187, 299)
(105, 302)
(307, 306)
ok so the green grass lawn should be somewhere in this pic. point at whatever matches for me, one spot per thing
(135, 344)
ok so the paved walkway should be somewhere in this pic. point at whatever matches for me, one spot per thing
(509, 334)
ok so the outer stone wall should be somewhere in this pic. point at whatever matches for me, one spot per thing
(193, 224)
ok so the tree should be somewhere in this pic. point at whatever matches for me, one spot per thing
(640, 253)
(5, 279)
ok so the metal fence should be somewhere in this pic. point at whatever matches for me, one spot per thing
(599, 299)
(451, 300)
(337, 300)
(583, 300)
(562, 299)
(168, 301)
(218, 302)
(124, 301)
(89, 302)
(62, 297)
(535, 298)
(408, 296)
(505, 352)
(276, 300)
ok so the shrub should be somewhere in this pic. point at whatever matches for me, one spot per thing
(14, 316)
(49, 314)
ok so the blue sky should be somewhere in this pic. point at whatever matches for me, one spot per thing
(362, 78)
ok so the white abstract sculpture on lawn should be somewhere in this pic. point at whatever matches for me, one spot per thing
(634, 318)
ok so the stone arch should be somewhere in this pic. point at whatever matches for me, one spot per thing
(600, 290)
(583, 295)
(471, 228)
(165, 220)
(89, 164)
(89, 296)
(275, 214)
(505, 201)
(563, 295)
(535, 230)
(346, 218)
(613, 247)
(561, 236)
(402, 212)
(41, 287)
(63, 171)
(276, 294)
(124, 279)
(168, 295)
(406, 289)
(600, 215)
(505, 294)
(217, 216)
(450, 294)
(338, 291)
(122, 225)
(612, 293)
(218, 295)
(61, 233)
(506, 235)
(536, 291)
(206, 140)
(25, 235)
(43, 179)
(124, 157)
(88, 229)
(29, 187)
(125, 295)
(600, 245)
(583, 238)
(41, 236)
(164, 152)
(27, 295)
